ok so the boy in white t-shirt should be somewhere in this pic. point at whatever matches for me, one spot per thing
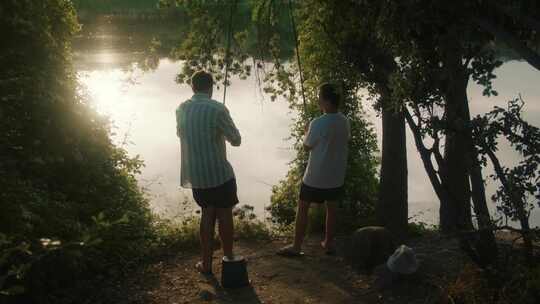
(327, 142)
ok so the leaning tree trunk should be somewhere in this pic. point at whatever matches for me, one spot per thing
(392, 206)
(486, 245)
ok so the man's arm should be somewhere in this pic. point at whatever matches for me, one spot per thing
(312, 137)
(229, 130)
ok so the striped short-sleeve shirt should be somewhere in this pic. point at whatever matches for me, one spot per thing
(203, 125)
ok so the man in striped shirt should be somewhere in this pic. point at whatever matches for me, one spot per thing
(203, 126)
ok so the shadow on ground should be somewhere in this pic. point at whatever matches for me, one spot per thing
(315, 278)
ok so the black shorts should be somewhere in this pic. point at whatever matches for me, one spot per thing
(222, 196)
(318, 195)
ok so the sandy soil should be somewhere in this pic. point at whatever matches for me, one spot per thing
(315, 278)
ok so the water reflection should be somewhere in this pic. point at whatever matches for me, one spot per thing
(143, 113)
(113, 61)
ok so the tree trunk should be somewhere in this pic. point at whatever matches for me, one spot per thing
(456, 215)
(426, 155)
(392, 207)
(486, 245)
(464, 170)
(517, 201)
(484, 251)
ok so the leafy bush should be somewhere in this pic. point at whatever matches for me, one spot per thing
(320, 63)
(72, 208)
(419, 229)
(519, 190)
(361, 182)
(248, 226)
(182, 233)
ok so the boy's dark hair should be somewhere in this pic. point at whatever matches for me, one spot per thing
(201, 81)
(328, 92)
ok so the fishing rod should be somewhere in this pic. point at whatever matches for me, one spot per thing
(297, 50)
(228, 48)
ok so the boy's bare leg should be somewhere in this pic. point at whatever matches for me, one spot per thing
(226, 230)
(300, 225)
(208, 220)
(330, 231)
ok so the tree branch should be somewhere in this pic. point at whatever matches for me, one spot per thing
(437, 153)
(424, 154)
(529, 55)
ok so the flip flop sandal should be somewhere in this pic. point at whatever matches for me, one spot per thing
(289, 252)
(199, 267)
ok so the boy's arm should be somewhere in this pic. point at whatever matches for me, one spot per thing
(312, 138)
(228, 128)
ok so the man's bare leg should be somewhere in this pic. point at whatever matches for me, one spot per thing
(226, 230)
(300, 225)
(208, 220)
(330, 231)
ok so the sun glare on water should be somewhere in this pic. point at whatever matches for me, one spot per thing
(109, 94)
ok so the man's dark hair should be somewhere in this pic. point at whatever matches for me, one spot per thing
(201, 81)
(328, 92)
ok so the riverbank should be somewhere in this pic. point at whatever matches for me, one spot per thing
(315, 278)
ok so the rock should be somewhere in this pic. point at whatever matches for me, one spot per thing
(370, 246)
(403, 261)
(399, 266)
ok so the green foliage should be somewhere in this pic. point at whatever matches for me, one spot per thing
(418, 229)
(182, 233)
(248, 226)
(284, 198)
(519, 189)
(73, 208)
(519, 185)
(320, 62)
(207, 37)
(114, 6)
(175, 234)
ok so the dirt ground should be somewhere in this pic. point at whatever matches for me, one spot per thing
(314, 278)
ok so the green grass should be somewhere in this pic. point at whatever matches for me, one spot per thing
(183, 233)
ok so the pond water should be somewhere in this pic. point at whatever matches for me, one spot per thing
(141, 103)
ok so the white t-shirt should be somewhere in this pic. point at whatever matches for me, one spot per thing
(328, 138)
